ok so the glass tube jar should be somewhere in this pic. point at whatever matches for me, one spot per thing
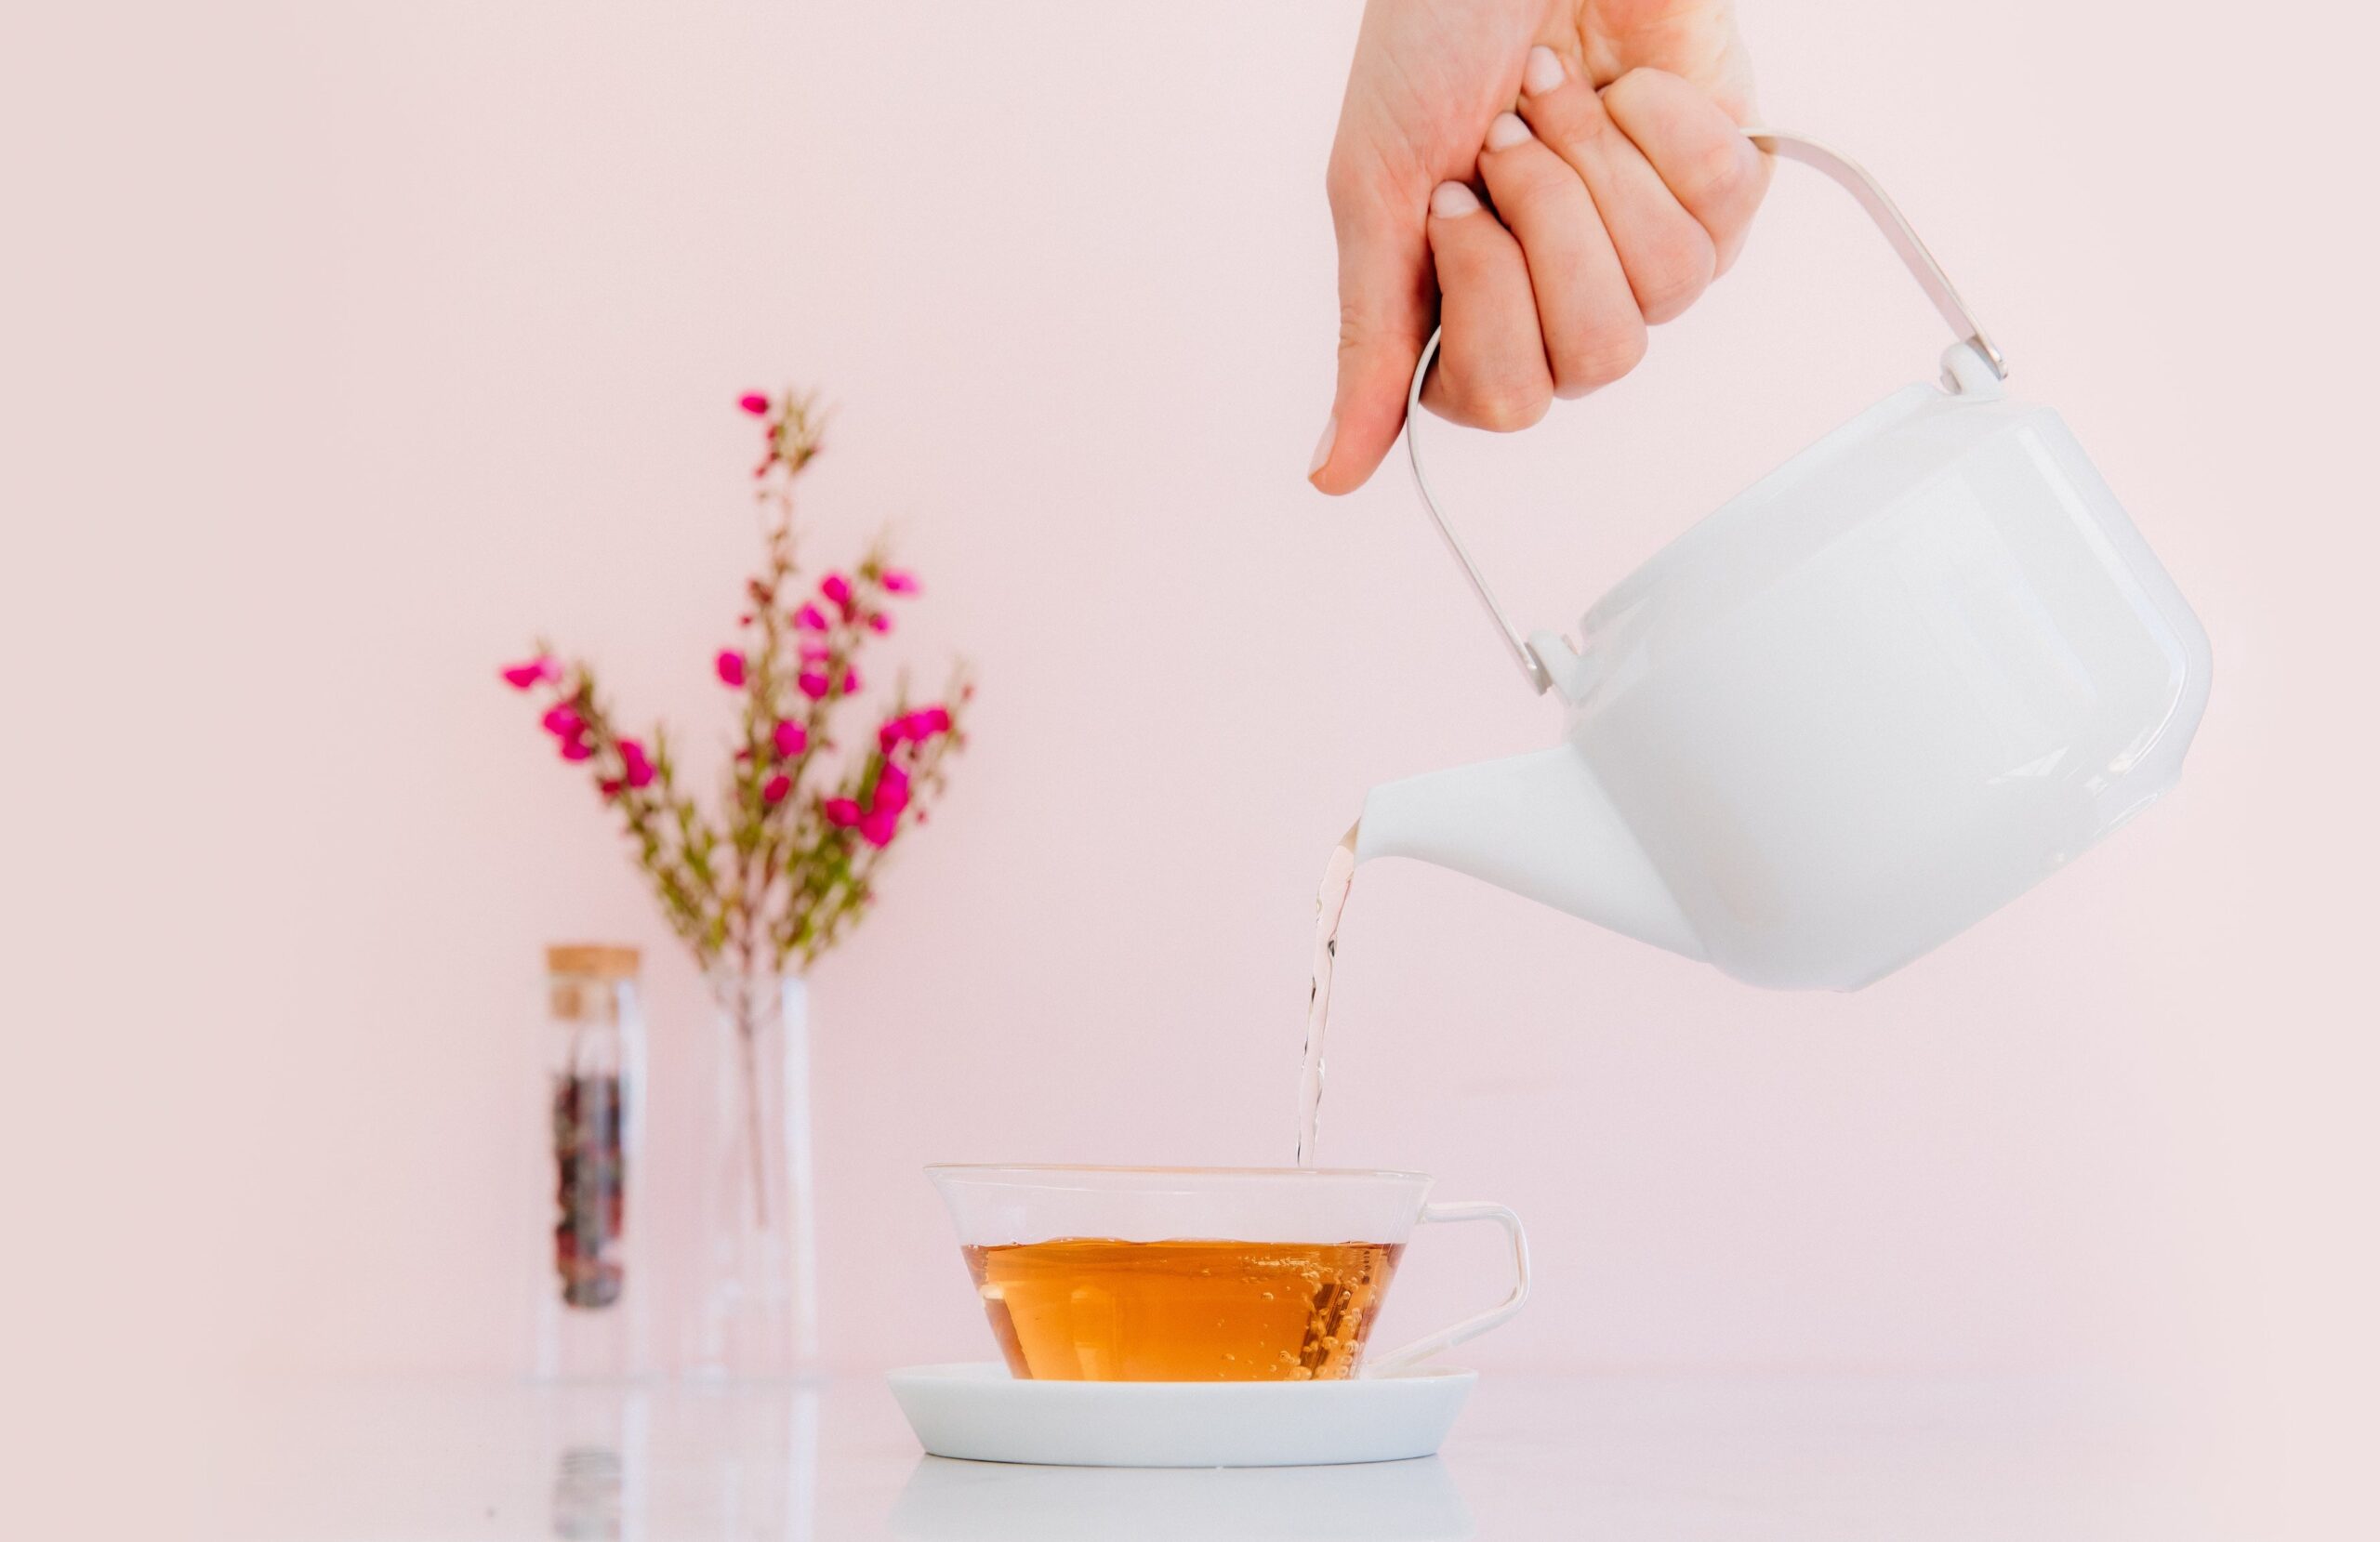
(594, 1295)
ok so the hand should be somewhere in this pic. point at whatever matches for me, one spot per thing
(1605, 136)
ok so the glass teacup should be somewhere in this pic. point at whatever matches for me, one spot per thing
(1199, 1273)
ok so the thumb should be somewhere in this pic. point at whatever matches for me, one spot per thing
(1385, 294)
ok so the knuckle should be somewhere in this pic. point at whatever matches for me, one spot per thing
(1642, 86)
(1717, 175)
(1534, 180)
(1674, 268)
(1600, 355)
(1572, 121)
(1504, 406)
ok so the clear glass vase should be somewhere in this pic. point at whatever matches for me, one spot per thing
(756, 1290)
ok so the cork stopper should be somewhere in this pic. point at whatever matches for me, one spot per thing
(582, 979)
(595, 960)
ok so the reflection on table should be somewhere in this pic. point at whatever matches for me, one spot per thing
(1828, 1459)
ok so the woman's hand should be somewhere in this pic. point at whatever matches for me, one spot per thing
(1603, 136)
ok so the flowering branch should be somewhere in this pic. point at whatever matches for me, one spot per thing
(787, 865)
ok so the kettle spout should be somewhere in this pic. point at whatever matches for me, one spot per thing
(1540, 826)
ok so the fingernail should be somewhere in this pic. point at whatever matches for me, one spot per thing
(1543, 71)
(1507, 131)
(1452, 201)
(1322, 448)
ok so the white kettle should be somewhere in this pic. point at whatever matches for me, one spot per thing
(1869, 701)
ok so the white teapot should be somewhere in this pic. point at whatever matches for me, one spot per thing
(1870, 700)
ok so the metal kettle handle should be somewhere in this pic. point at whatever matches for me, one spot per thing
(1888, 219)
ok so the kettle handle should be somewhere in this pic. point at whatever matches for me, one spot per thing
(1888, 219)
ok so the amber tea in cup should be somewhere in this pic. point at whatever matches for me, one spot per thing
(1100, 1309)
(1196, 1274)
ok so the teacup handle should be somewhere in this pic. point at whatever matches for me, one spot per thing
(1470, 1327)
(1843, 170)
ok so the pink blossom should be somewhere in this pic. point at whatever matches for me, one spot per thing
(891, 792)
(917, 727)
(877, 828)
(810, 618)
(778, 786)
(754, 402)
(611, 787)
(850, 681)
(790, 738)
(812, 650)
(880, 622)
(813, 683)
(731, 666)
(562, 722)
(637, 769)
(838, 588)
(842, 812)
(576, 749)
(898, 581)
(521, 676)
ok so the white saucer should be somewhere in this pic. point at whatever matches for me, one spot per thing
(980, 1413)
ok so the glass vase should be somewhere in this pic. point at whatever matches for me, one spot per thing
(756, 1288)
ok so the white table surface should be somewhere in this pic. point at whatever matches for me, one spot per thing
(1625, 1457)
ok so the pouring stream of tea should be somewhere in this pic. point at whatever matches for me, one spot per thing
(1330, 904)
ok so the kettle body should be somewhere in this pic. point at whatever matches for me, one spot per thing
(1863, 705)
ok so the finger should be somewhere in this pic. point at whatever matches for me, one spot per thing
(1699, 154)
(1491, 371)
(1668, 255)
(1384, 298)
(1585, 312)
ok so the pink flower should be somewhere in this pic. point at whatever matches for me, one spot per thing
(897, 581)
(812, 650)
(754, 402)
(521, 676)
(842, 812)
(916, 727)
(891, 792)
(790, 738)
(813, 683)
(611, 787)
(778, 786)
(850, 681)
(810, 618)
(880, 622)
(731, 666)
(637, 770)
(576, 749)
(562, 722)
(838, 588)
(877, 828)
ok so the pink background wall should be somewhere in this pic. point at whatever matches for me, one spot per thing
(363, 345)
